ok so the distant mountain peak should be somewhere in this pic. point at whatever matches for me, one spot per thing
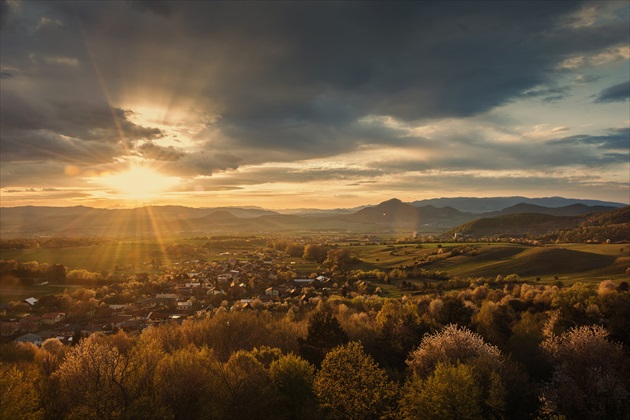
(221, 213)
(392, 201)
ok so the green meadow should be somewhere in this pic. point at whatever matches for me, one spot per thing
(568, 263)
(571, 262)
(94, 258)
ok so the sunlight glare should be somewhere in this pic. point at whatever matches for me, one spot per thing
(138, 182)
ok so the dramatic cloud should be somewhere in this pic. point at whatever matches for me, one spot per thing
(616, 93)
(83, 121)
(156, 152)
(616, 139)
(269, 94)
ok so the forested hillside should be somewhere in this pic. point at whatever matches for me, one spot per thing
(600, 227)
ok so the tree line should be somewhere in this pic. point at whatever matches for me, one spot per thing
(486, 351)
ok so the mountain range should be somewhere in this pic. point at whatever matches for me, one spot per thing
(389, 216)
(490, 204)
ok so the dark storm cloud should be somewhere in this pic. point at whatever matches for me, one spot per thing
(156, 152)
(616, 93)
(270, 175)
(4, 12)
(44, 145)
(618, 138)
(303, 76)
(289, 80)
(479, 151)
(158, 7)
(302, 139)
(69, 131)
(201, 163)
(78, 119)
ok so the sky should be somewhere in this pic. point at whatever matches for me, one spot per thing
(311, 104)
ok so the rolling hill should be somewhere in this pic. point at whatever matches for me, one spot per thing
(613, 225)
(531, 262)
(516, 224)
(389, 216)
(571, 210)
(492, 204)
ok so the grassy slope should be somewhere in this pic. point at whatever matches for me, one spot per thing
(92, 258)
(576, 262)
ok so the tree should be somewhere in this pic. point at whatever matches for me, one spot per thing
(185, 381)
(244, 390)
(99, 380)
(493, 322)
(451, 345)
(89, 380)
(616, 309)
(82, 276)
(18, 397)
(324, 333)
(590, 378)
(50, 356)
(503, 385)
(315, 252)
(293, 379)
(350, 385)
(524, 344)
(400, 329)
(295, 250)
(453, 311)
(341, 258)
(450, 392)
(56, 273)
(266, 355)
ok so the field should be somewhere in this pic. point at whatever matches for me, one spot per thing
(565, 262)
(8, 293)
(95, 258)
(571, 262)
(579, 261)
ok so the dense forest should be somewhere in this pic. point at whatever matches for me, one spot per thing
(488, 350)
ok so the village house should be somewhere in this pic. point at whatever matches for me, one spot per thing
(30, 338)
(157, 317)
(52, 318)
(184, 306)
(31, 301)
(183, 291)
(166, 298)
(224, 279)
(117, 321)
(303, 282)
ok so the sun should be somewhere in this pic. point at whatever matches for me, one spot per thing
(138, 182)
